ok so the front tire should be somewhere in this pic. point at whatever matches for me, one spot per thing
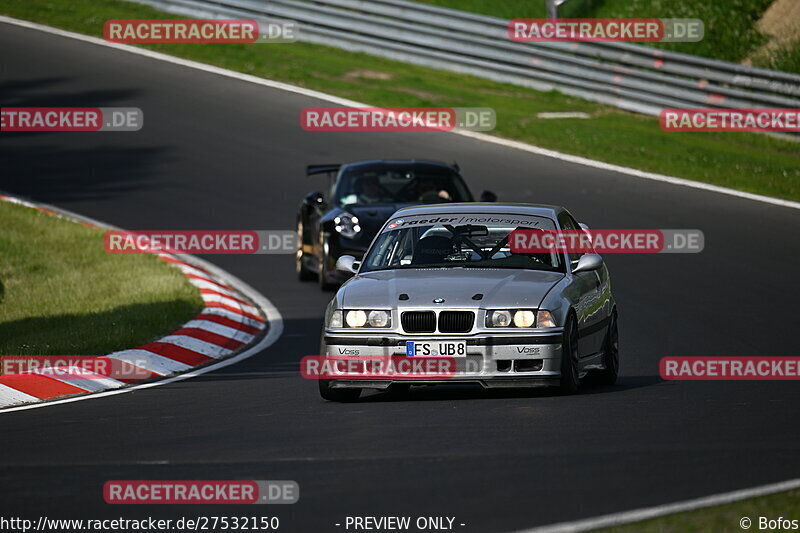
(569, 382)
(337, 395)
(324, 274)
(608, 376)
(303, 273)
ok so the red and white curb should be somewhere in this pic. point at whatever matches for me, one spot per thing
(235, 323)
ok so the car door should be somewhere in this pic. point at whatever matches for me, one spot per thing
(590, 288)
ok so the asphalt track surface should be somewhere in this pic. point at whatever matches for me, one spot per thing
(218, 153)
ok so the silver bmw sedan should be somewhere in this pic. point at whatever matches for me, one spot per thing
(443, 281)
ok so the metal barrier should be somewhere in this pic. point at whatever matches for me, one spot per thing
(625, 75)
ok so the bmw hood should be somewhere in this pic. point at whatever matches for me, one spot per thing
(457, 287)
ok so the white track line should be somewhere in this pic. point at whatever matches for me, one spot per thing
(351, 103)
(648, 513)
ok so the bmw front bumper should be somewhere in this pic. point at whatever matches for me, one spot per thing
(493, 361)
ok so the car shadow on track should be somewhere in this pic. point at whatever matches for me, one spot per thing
(476, 392)
(62, 166)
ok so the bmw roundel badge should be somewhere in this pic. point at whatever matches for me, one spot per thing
(438, 300)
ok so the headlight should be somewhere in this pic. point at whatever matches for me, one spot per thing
(498, 319)
(511, 318)
(544, 319)
(524, 318)
(360, 318)
(347, 225)
(379, 319)
(356, 319)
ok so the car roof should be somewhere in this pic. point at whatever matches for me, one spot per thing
(543, 210)
(419, 163)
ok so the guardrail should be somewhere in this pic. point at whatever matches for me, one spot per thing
(625, 75)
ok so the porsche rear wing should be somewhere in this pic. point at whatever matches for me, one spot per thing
(312, 170)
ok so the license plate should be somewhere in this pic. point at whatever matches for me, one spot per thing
(434, 348)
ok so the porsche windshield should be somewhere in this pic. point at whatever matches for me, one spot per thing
(406, 245)
(377, 184)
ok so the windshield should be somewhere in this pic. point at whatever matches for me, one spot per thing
(394, 184)
(407, 243)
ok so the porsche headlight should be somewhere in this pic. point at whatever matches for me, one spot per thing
(347, 225)
(360, 318)
(511, 318)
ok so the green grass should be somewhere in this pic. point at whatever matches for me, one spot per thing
(64, 295)
(730, 25)
(785, 58)
(749, 162)
(720, 519)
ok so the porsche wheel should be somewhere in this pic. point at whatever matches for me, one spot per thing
(325, 275)
(303, 273)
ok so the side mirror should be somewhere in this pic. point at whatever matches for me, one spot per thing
(588, 262)
(488, 196)
(313, 199)
(583, 226)
(347, 263)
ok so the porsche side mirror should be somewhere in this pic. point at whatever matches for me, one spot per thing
(488, 196)
(313, 199)
(588, 262)
(347, 263)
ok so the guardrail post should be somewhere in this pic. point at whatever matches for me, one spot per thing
(552, 9)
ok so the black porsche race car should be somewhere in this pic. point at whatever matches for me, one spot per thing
(360, 197)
